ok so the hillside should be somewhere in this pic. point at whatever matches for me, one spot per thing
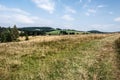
(48, 31)
(69, 57)
(95, 31)
(57, 32)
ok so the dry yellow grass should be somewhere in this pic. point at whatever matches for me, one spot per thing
(71, 57)
(27, 47)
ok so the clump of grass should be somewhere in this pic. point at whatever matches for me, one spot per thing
(14, 65)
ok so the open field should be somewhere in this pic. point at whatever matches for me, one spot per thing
(57, 32)
(68, 57)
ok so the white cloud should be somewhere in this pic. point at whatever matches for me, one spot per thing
(48, 5)
(96, 26)
(100, 6)
(117, 19)
(17, 19)
(92, 10)
(70, 10)
(23, 19)
(67, 17)
(89, 1)
(11, 16)
(80, 1)
(87, 14)
(110, 12)
(15, 16)
(85, 5)
(104, 27)
(16, 10)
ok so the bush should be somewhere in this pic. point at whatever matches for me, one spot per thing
(63, 32)
(9, 34)
(26, 37)
(6, 36)
(72, 33)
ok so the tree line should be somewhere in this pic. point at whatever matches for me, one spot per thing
(12, 34)
(9, 34)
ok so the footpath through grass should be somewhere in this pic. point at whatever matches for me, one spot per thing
(91, 58)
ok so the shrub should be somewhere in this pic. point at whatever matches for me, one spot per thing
(26, 37)
(63, 32)
(6, 36)
(9, 34)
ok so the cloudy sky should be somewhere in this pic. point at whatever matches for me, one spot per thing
(103, 15)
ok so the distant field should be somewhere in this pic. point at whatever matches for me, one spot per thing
(57, 32)
(68, 57)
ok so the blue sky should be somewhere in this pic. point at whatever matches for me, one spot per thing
(103, 15)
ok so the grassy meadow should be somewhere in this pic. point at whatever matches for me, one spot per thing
(63, 57)
(57, 32)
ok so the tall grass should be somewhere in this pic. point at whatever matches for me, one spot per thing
(53, 58)
(117, 43)
(117, 47)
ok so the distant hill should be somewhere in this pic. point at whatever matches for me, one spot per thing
(53, 31)
(95, 31)
(45, 29)
(68, 31)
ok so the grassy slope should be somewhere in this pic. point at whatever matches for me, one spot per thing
(89, 57)
(57, 32)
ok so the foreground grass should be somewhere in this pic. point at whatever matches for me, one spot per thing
(81, 57)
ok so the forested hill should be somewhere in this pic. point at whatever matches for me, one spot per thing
(95, 31)
(46, 29)
(49, 29)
